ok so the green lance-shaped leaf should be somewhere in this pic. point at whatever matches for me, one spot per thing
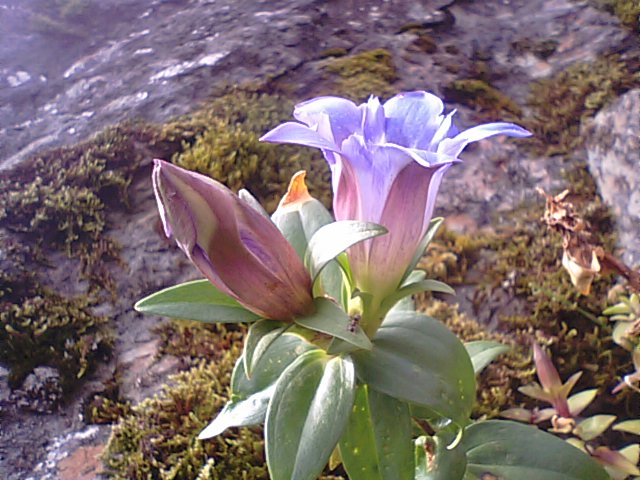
(434, 461)
(511, 450)
(329, 318)
(376, 444)
(197, 300)
(483, 352)
(434, 225)
(333, 239)
(281, 353)
(414, 288)
(581, 400)
(629, 426)
(592, 427)
(307, 415)
(241, 413)
(251, 395)
(416, 359)
(259, 338)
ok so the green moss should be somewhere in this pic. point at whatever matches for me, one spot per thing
(450, 255)
(193, 341)
(367, 73)
(59, 200)
(103, 410)
(562, 103)
(333, 52)
(488, 101)
(39, 327)
(626, 10)
(159, 438)
(229, 150)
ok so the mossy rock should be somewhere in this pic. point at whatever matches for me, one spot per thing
(229, 150)
(486, 100)
(562, 103)
(360, 75)
(627, 11)
(159, 438)
(40, 328)
(523, 259)
(60, 198)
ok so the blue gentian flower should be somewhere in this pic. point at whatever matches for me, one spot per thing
(387, 162)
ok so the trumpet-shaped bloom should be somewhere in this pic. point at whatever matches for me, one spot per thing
(387, 162)
(235, 247)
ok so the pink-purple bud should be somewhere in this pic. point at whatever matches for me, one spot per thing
(234, 246)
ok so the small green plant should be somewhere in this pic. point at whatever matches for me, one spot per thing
(565, 418)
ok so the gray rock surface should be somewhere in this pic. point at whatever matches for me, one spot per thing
(613, 153)
(64, 76)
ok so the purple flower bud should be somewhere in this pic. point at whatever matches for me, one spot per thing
(234, 246)
(387, 162)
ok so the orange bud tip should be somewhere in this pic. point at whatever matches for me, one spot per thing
(297, 191)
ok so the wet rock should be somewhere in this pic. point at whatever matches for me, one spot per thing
(613, 153)
(4, 386)
(66, 76)
(74, 456)
(40, 392)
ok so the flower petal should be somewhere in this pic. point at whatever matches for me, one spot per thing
(454, 146)
(296, 133)
(413, 190)
(425, 158)
(413, 118)
(375, 168)
(373, 121)
(344, 116)
(446, 130)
